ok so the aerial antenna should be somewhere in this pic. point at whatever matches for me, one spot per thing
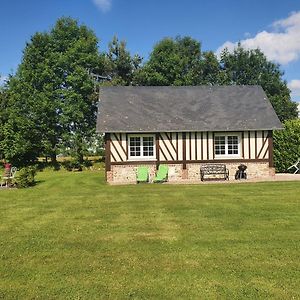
(97, 79)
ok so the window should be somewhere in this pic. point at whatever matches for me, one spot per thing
(220, 145)
(141, 147)
(233, 145)
(227, 145)
(135, 146)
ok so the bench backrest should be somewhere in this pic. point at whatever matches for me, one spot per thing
(213, 168)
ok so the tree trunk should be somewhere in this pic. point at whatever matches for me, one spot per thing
(80, 158)
(53, 157)
(79, 150)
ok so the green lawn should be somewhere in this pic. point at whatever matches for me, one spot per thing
(73, 237)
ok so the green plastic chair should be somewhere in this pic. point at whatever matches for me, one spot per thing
(142, 174)
(162, 174)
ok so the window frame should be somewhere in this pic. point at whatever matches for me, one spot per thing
(226, 135)
(141, 157)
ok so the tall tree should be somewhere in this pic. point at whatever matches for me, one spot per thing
(210, 69)
(3, 116)
(20, 139)
(120, 65)
(52, 82)
(178, 61)
(76, 51)
(251, 67)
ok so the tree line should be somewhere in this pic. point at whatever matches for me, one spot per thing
(49, 105)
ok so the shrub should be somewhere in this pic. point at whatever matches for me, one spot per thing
(101, 152)
(72, 165)
(287, 145)
(25, 177)
(87, 163)
(40, 166)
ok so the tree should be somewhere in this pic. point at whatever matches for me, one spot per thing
(251, 67)
(53, 83)
(3, 115)
(210, 69)
(172, 62)
(287, 145)
(120, 65)
(20, 139)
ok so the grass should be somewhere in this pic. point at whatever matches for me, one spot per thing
(74, 237)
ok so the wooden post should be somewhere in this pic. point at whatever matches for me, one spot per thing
(107, 141)
(243, 149)
(184, 150)
(213, 141)
(157, 149)
(255, 139)
(270, 140)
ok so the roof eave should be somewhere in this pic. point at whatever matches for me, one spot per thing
(180, 130)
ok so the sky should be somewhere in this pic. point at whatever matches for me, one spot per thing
(271, 25)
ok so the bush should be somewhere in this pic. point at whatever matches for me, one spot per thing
(101, 152)
(87, 163)
(42, 165)
(72, 165)
(287, 145)
(25, 177)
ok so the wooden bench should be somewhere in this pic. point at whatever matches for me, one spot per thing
(214, 171)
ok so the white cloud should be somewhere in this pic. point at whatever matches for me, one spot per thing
(294, 86)
(281, 44)
(103, 5)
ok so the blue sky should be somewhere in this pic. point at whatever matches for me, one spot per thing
(274, 26)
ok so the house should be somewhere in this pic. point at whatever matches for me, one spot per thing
(186, 127)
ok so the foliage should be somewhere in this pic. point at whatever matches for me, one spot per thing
(172, 62)
(210, 69)
(25, 177)
(3, 116)
(72, 165)
(251, 67)
(21, 142)
(75, 165)
(92, 145)
(98, 145)
(49, 106)
(287, 145)
(75, 237)
(120, 65)
(52, 93)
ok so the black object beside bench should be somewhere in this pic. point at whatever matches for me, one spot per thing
(214, 169)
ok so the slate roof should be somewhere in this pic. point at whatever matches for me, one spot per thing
(183, 109)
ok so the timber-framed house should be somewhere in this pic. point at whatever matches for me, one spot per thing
(185, 127)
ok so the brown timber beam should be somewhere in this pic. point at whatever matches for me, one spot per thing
(107, 141)
(270, 140)
(157, 149)
(184, 150)
(223, 161)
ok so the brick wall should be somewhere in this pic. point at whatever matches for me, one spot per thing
(126, 174)
(254, 170)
